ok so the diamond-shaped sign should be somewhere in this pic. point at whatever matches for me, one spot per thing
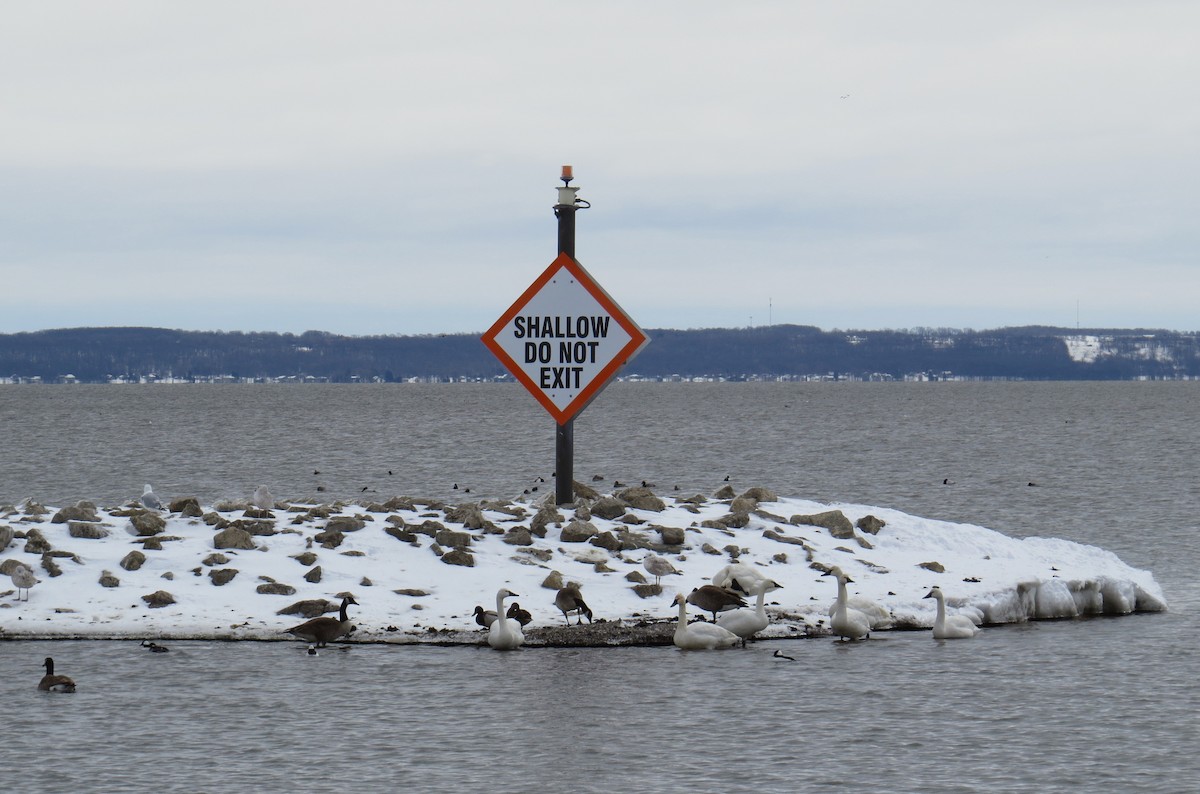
(564, 338)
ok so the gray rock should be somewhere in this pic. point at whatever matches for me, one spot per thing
(870, 524)
(133, 560)
(345, 524)
(260, 527)
(83, 529)
(108, 580)
(606, 540)
(459, 557)
(233, 538)
(188, 505)
(313, 576)
(275, 588)
(609, 507)
(834, 520)
(35, 542)
(6, 537)
(310, 608)
(641, 498)
(159, 599)
(81, 511)
(306, 558)
(330, 538)
(518, 536)
(216, 558)
(578, 531)
(546, 515)
(760, 494)
(222, 576)
(470, 516)
(146, 523)
(672, 536)
(936, 567)
(453, 539)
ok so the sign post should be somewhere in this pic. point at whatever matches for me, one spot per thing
(565, 339)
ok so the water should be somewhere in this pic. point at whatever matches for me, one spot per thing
(1100, 704)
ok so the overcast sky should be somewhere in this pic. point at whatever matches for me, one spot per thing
(390, 167)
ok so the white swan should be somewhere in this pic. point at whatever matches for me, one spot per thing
(700, 636)
(846, 622)
(950, 627)
(505, 633)
(740, 577)
(747, 622)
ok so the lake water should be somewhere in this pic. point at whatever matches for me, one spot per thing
(1104, 705)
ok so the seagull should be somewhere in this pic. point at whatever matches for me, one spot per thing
(23, 579)
(149, 500)
(262, 498)
(658, 567)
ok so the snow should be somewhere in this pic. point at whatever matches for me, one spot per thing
(406, 593)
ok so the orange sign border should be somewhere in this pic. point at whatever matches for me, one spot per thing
(637, 341)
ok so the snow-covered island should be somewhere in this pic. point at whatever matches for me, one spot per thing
(418, 567)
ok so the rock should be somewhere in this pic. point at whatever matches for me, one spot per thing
(133, 560)
(365, 582)
(743, 505)
(50, 566)
(330, 538)
(214, 519)
(542, 555)
(453, 539)
(936, 567)
(459, 557)
(170, 577)
(259, 512)
(152, 544)
(222, 576)
(108, 580)
(159, 599)
(834, 520)
(306, 558)
(647, 590)
(146, 523)
(412, 592)
(9, 566)
(606, 540)
(311, 608)
(760, 494)
(83, 529)
(546, 515)
(6, 537)
(35, 542)
(672, 536)
(470, 516)
(870, 524)
(275, 588)
(216, 558)
(233, 538)
(518, 536)
(725, 492)
(554, 581)
(344, 524)
(188, 505)
(81, 511)
(640, 498)
(313, 576)
(259, 527)
(578, 531)
(735, 520)
(609, 507)
(404, 535)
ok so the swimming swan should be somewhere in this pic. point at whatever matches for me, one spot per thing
(950, 627)
(846, 622)
(700, 636)
(505, 633)
(747, 622)
(54, 683)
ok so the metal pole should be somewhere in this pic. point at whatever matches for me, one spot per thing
(564, 436)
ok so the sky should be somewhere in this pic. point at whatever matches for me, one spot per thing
(390, 168)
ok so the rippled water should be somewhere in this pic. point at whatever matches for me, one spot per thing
(1102, 705)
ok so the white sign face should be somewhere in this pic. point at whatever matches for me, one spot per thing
(564, 338)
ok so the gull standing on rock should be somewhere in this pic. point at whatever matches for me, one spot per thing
(262, 498)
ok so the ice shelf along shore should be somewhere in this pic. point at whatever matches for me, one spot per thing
(419, 567)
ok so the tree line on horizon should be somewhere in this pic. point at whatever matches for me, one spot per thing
(100, 355)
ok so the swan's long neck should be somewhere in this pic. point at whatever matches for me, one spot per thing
(501, 618)
(842, 597)
(941, 613)
(762, 594)
(682, 614)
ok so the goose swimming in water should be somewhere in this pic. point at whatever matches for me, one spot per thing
(711, 598)
(950, 627)
(323, 630)
(23, 579)
(847, 623)
(658, 567)
(747, 622)
(54, 683)
(700, 636)
(505, 633)
(569, 600)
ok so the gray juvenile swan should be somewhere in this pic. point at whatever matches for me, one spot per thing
(325, 630)
(505, 634)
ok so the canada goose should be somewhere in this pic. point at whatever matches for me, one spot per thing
(846, 622)
(54, 683)
(658, 567)
(569, 600)
(325, 630)
(522, 616)
(747, 622)
(154, 647)
(711, 598)
(262, 498)
(149, 500)
(483, 617)
(23, 579)
(505, 634)
(950, 627)
(700, 636)
(739, 577)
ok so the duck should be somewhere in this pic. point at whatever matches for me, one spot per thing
(323, 630)
(700, 636)
(522, 616)
(950, 627)
(569, 600)
(23, 579)
(711, 598)
(505, 633)
(747, 622)
(658, 567)
(484, 617)
(846, 622)
(154, 647)
(54, 683)
(739, 577)
(149, 500)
